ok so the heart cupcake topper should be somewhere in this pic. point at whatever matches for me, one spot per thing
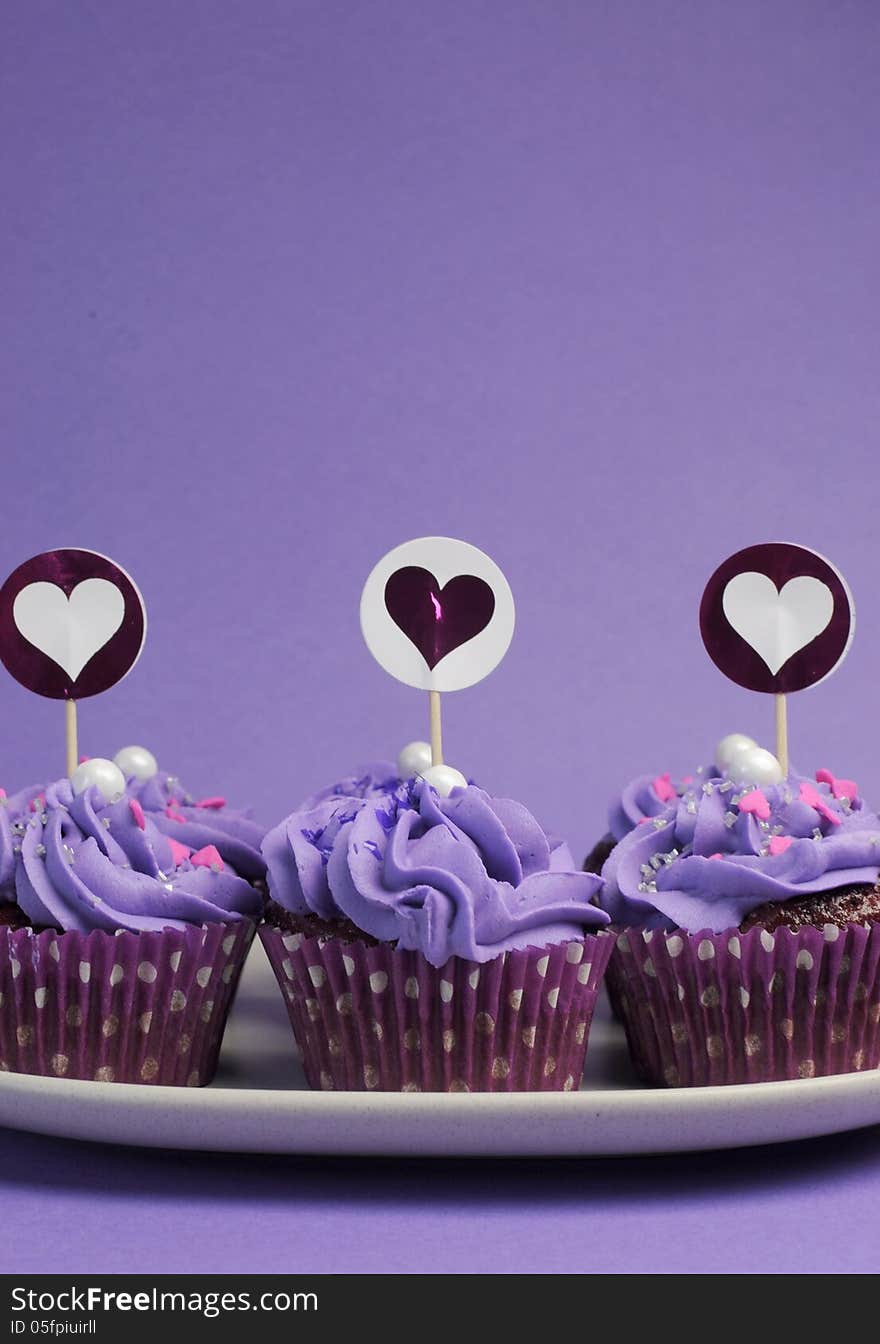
(72, 624)
(777, 618)
(437, 614)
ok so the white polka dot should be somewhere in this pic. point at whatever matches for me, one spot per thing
(541, 965)
(411, 988)
(343, 1004)
(574, 953)
(514, 998)
(178, 1001)
(714, 1047)
(733, 946)
(679, 989)
(622, 942)
(149, 1069)
(648, 967)
(445, 990)
(85, 972)
(584, 972)
(553, 997)
(371, 1076)
(54, 951)
(228, 973)
(147, 972)
(674, 945)
(378, 982)
(474, 979)
(647, 935)
(116, 974)
(174, 960)
(15, 967)
(104, 1074)
(74, 1016)
(228, 943)
(145, 1021)
(40, 996)
(804, 960)
(744, 996)
(348, 965)
(292, 941)
(710, 997)
(831, 933)
(500, 1067)
(24, 1035)
(110, 1025)
(706, 950)
(753, 1045)
(203, 975)
(768, 942)
(59, 1064)
(317, 976)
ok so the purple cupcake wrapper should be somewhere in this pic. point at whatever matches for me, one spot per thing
(707, 1008)
(125, 1008)
(370, 1017)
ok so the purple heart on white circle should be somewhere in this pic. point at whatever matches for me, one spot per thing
(777, 623)
(69, 630)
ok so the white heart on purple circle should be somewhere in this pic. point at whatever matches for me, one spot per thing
(777, 623)
(71, 630)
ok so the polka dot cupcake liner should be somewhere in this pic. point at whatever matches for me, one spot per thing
(125, 1008)
(375, 1018)
(706, 1008)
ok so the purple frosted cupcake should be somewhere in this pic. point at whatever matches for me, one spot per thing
(431, 944)
(119, 953)
(751, 944)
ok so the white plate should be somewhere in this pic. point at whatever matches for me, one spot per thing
(259, 1103)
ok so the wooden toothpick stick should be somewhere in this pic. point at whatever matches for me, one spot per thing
(782, 733)
(70, 735)
(436, 731)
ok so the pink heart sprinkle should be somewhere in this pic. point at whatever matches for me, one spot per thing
(215, 803)
(755, 802)
(780, 843)
(207, 857)
(840, 788)
(179, 852)
(173, 815)
(664, 788)
(138, 813)
(813, 798)
(719, 855)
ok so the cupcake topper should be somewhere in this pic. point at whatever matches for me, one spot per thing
(777, 618)
(437, 614)
(72, 624)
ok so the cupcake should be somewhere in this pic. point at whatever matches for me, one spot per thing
(119, 952)
(750, 943)
(426, 943)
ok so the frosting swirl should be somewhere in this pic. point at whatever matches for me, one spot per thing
(649, 796)
(196, 824)
(84, 864)
(720, 851)
(468, 876)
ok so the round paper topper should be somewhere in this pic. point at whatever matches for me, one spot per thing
(437, 614)
(72, 624)
(777, 617)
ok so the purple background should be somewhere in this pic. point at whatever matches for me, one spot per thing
(591, 286)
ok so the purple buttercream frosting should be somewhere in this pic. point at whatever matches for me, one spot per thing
(641, 798)
(85, 864)
(722, 850)
(15, 809)
(374, 780)
(468, 876)
(197, 824)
